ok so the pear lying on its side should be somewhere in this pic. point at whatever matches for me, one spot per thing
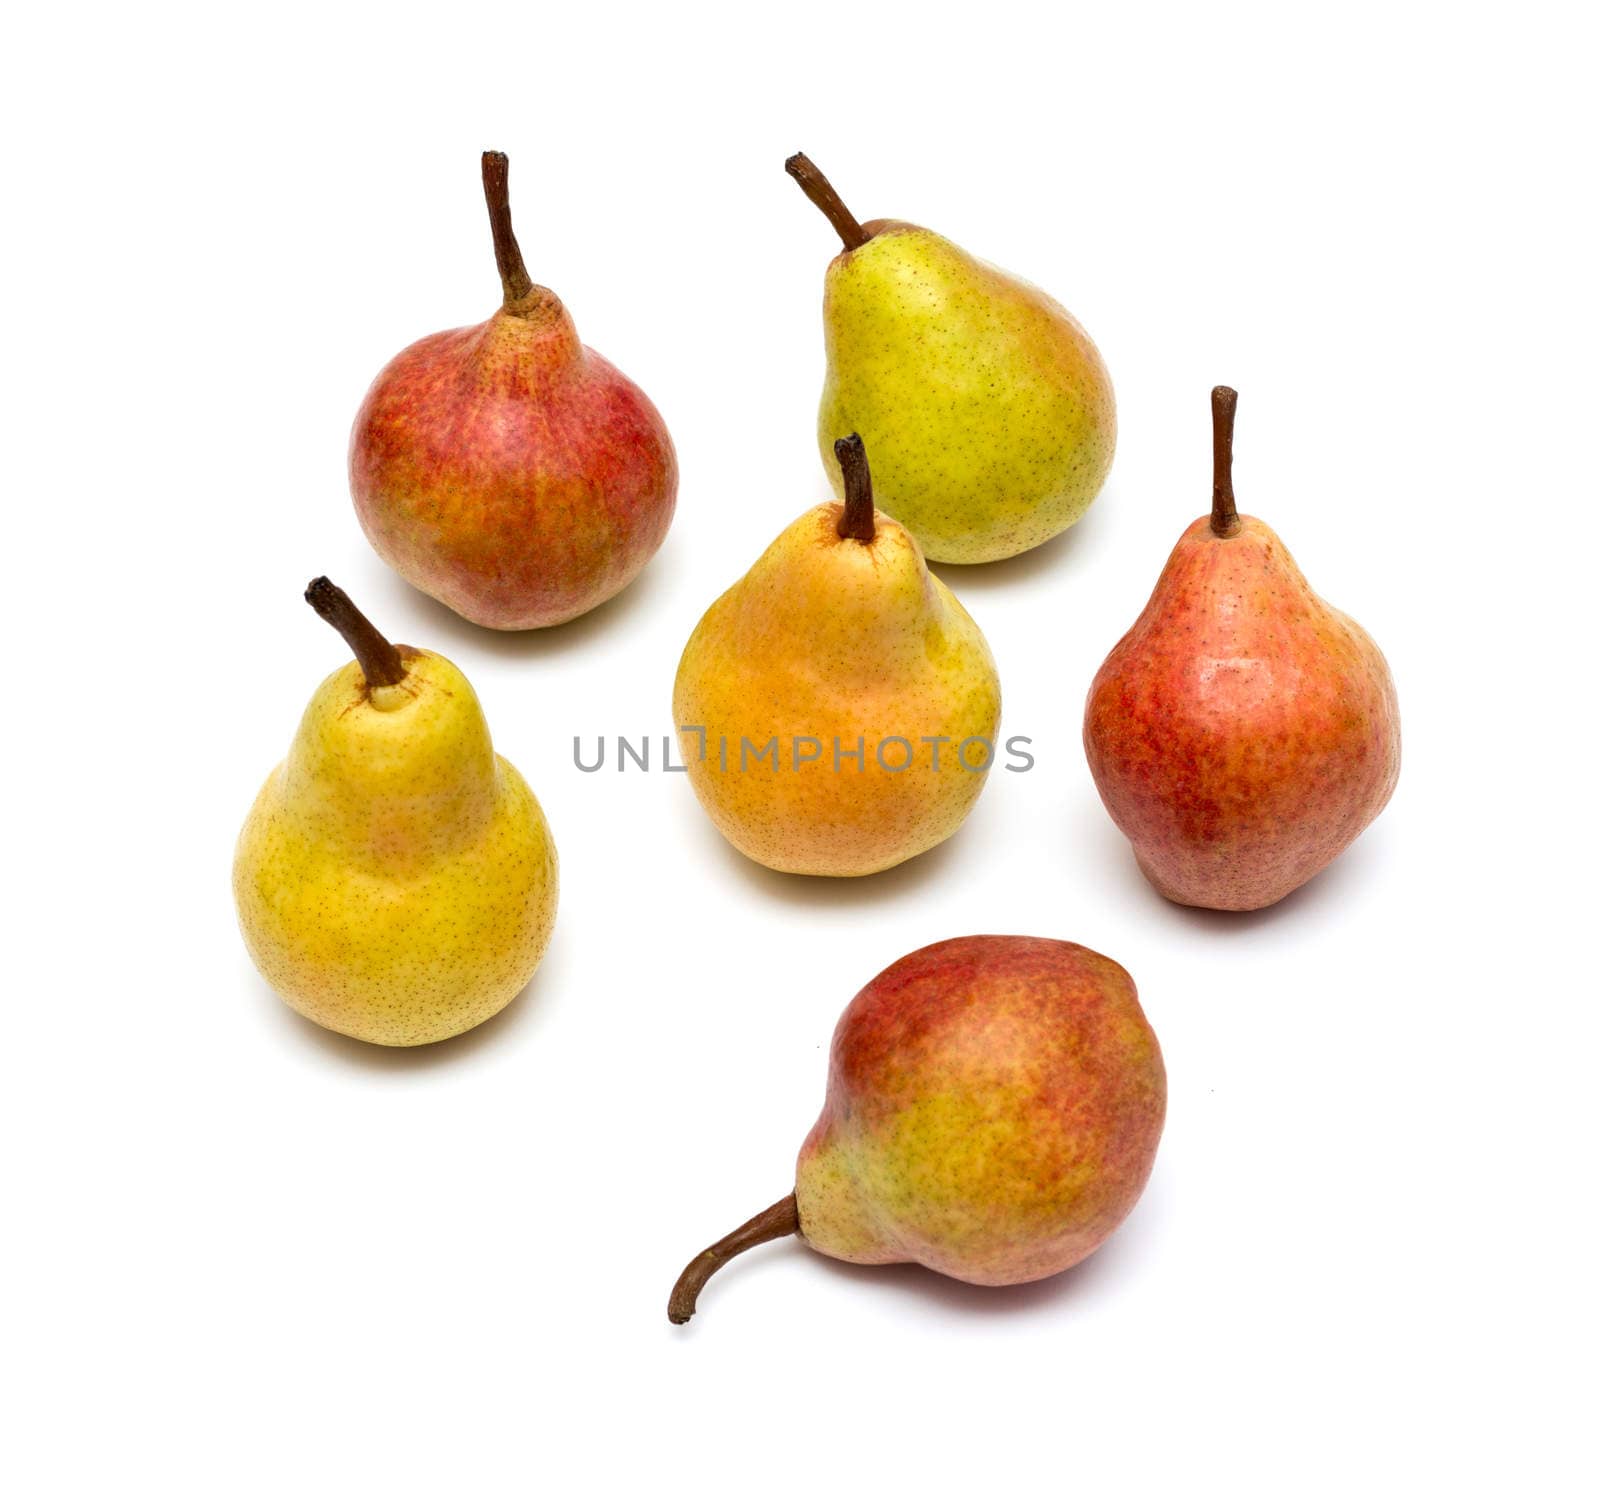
(1243, 732)
(986, 407)
(993, 1110)
(837, 706)
(395, 879)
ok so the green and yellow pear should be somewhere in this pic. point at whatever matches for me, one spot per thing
(837, 706)
(395, 880)
(986, 407)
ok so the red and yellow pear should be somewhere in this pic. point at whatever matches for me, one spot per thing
(993, 1110)
(506, 469)
(1243, 732)
(837, 706)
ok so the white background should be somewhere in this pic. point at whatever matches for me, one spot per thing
(249, 1257)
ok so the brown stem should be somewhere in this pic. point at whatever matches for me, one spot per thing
(857, 520)
(781, 1219)
(817, 187)
(379, 661)
(1224, 513)
(497, 191)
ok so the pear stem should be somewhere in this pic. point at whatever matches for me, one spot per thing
(777, 1222)
(514, 275)
(817, 187)
(379, 661)
(1224, 513)
(857, 520)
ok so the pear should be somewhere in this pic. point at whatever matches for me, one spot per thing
(395, 879)
(993, 1110)
(986, 407)
(837, 706)
(506, 469)
(1243, 732)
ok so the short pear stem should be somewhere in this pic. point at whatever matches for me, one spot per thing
(379, 661)
(1224, 513)
(857, 520)
(514, 275)
(817, 187)
(777, 1222)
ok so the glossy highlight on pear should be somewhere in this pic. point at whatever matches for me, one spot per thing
(1244, 732)
(987, 409)
(809, 697)
(506, 469)
(395, 880)
(993, 1110)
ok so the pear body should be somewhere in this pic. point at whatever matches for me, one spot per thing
(1243, 732)
(986, 407)
(395, 879)
(511, 472)
(993, 1110)
(832, 644)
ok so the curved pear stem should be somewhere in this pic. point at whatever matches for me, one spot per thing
(817, 187)
(514, 275)
(379, 661)
(857, 520)
(1224, 513)
(777, 1222)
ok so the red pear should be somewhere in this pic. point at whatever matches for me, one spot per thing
(1243, 732)
(506, 469)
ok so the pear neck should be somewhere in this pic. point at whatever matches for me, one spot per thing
(535, 306)
(395, 790)
(525, 346)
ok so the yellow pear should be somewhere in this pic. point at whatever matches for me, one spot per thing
(837, 706)
(395, 880)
